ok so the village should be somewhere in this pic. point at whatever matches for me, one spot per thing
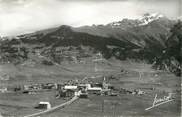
(83, 89)
(106, 92)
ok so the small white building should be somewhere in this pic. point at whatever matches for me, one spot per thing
(94, 90)
(3, 90)
(44, 105)
(70, 87)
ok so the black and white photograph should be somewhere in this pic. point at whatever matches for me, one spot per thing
(90, 58)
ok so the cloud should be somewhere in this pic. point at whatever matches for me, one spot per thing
(22, 16)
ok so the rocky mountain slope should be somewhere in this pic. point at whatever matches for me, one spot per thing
(149, 29)
(171, 56)
(62, 44)
(152, 38)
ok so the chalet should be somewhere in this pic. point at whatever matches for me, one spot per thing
(44, 105)
(94, 90)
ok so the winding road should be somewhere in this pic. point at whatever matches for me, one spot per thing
(54, 108)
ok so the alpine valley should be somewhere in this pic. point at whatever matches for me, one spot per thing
(112, 70)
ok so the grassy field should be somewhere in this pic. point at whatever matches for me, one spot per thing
(135, 76)
(124, 105)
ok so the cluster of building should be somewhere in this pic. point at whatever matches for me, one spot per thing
(33, 88)
(84, 89)
(134, 92)
(72, 88)
(40, 86)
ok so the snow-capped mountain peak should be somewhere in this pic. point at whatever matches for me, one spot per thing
(143, 20)
(147, 18)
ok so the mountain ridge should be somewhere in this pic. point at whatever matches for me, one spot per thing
(139, 42)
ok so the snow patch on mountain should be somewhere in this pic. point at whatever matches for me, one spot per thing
(143, 20)
(147, 18)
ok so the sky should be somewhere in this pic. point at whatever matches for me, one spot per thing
(24, 16)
